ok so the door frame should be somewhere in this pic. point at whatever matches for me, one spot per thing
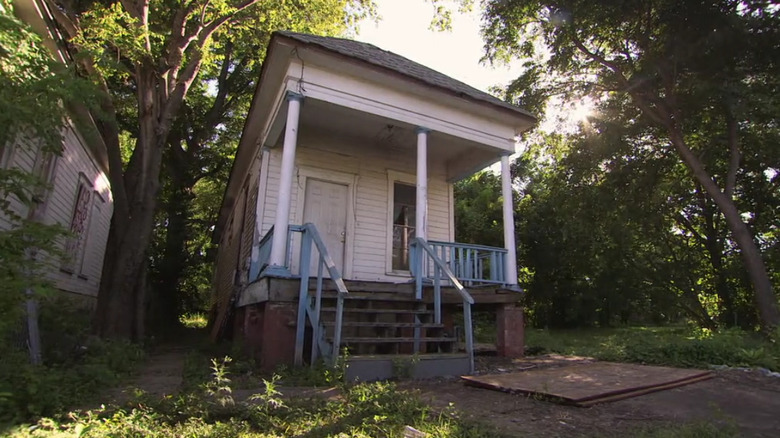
(334, 177)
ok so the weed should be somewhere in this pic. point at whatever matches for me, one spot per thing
(403, 368)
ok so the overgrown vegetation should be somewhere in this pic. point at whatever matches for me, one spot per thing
(676, 346)
(75, 366)
(210, 410)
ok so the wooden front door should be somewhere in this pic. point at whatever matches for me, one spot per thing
(325, 205)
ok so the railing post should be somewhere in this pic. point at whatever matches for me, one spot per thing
(469, 334)
(303, 296)
(436, 294)
(337, 328)
(510, 274)
(418, 272)
(315, 333)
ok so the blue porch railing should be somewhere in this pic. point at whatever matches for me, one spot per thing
(309, 307)
(471, 264)
(424, 257)
(310, 239)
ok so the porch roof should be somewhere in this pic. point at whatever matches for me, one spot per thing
(267, 105)
(395, 63)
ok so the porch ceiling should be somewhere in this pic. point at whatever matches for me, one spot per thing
(462, 157)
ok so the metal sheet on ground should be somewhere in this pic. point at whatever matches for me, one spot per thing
(588, 384)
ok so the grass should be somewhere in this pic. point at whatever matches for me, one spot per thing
(364, 410)
(675, 346)
(699, 429)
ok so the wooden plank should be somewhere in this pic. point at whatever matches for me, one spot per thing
(586, 382)
(394, 311)
(410, 432)
(378, 340)
(384, 324)
(644, 391)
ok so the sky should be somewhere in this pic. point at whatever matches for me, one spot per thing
(404, 29)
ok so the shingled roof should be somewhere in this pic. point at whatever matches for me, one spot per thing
(373, 55)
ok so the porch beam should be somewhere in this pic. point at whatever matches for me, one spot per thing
(421, 209)
(277, 260)
(509, 223)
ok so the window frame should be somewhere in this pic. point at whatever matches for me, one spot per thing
(394, 177)
(72, 260)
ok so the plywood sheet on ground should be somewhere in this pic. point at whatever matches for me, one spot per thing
(590, 383)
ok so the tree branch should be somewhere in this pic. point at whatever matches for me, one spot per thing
(733, 140)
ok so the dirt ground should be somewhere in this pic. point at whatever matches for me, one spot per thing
(747, 399)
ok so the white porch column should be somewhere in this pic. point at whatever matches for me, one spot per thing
(509, 223)
(421, 209)
(279, 242)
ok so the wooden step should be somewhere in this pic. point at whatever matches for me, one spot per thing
(366, 368)
(362, 310)
(379, 340)
(384, 324)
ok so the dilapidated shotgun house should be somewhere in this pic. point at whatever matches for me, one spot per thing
(337, 228)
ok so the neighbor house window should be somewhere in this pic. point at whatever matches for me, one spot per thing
(404, 201)
(6, 151)
(45, 166)
(75, 243)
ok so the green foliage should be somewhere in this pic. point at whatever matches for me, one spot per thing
(75, 366)
(675, 346)
(699, 429)
(194, 320)
(321, 374)
(614, 228)
(363, 410)
(479, 210)
(34, 88)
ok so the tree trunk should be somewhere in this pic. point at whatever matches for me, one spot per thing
(765, 299)
(173, 261)
(121, 298)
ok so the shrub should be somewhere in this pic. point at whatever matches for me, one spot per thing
(676, 346)
(75, 365)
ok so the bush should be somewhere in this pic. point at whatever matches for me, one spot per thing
(675, 346)
(75, 365)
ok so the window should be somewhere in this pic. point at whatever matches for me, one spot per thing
(45, 165)
(6, 154)
(404, 201)
(76, 242)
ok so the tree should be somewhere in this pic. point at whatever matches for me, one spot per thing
(148, 57)
(703, 74)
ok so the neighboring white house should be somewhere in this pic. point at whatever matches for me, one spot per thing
(366, 146)
(79, 197)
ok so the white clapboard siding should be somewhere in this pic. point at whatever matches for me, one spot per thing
(371, 166)
(75, 161)
(236, 242)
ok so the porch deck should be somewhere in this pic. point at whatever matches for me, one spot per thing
(287, 290)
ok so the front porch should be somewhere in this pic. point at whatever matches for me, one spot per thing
(378, 326)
